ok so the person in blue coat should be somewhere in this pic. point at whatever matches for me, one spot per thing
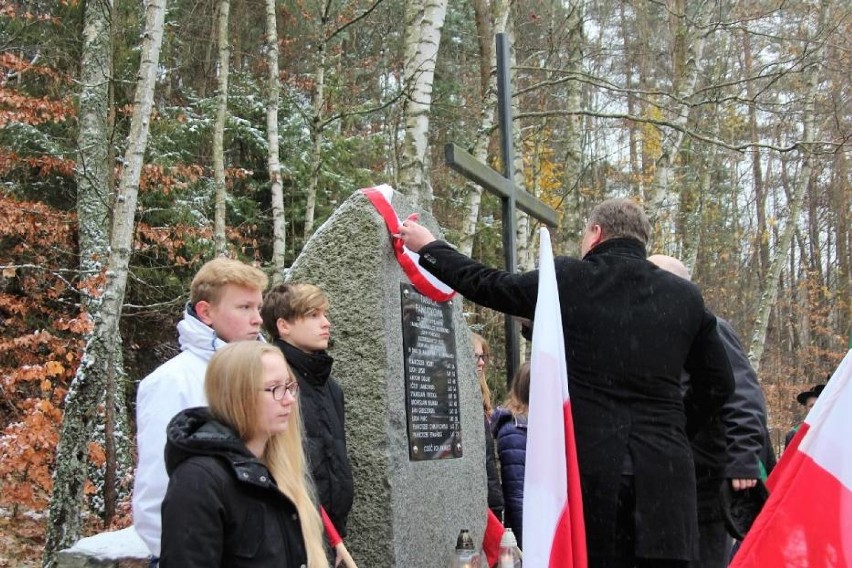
(509, 424)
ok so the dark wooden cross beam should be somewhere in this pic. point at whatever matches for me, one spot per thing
(504, 187)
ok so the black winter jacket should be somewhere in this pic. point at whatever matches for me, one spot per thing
(733, 444)
(222, 507)
(322, 409)
(495, 489)
(630, 327)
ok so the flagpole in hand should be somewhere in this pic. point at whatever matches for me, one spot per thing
(336, 542)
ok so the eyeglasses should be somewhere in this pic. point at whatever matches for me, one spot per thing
(280, 391)
(482, 356)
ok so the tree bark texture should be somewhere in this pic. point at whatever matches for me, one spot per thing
(485, 33)
(316, 129)
(424, 22)
(770, 292)
(103, 342)
(279, 226)
(687, 53)
(220, 191)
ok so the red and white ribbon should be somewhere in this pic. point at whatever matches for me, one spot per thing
(425, 283)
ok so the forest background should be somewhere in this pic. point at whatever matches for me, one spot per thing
(138, 141)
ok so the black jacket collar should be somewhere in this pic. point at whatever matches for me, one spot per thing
(315, 368)
(621, 246)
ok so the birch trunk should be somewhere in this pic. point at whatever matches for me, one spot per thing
(93, 196)
(93, 177)
(424, 22)
(525, 254)
(770, 291)
(485, 33)
(279, 227)
(571, 218)
(762, 237)
(663, 202)
(219, 239)
(102, 350)
(316, 127)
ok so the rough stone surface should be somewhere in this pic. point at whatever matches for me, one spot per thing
(117, 549)
(406, 513)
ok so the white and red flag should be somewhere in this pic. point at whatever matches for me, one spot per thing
(807, 520)
(425, 283)
(554, 531)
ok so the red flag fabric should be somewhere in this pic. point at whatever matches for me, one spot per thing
(554, 530)
(807, 520)
(330, 530)
(423, 281)
(494, 530)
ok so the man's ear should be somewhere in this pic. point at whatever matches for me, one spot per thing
(283, 327)
(202, 310)
(598, 236)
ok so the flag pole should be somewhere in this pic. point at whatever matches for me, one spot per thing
(336, 541)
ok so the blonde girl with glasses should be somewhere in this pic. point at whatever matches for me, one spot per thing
(239, 491)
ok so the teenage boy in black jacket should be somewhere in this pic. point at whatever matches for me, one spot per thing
(295, 315)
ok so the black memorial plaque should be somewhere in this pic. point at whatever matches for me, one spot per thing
(431, 377)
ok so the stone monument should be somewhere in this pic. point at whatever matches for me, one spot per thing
(413, 408)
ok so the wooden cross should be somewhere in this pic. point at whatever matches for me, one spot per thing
(503, 186)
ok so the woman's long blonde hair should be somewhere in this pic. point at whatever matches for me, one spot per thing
(233, 384)
(487, 405)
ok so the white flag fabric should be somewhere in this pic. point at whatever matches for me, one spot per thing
(554, 531)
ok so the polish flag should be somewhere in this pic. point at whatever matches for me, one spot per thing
(554, 531)
(807, 520)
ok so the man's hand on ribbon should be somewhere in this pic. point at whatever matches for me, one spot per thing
(414, 235)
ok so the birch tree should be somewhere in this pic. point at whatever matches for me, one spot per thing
(805, 147)
(424, 20)
(93, 213)
(690, 38)
(485, 32)
(102, 349)
(224, 66)
(279, 227)
(316, 122)
(331, 27)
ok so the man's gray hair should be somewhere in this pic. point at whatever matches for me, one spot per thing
(621, 218)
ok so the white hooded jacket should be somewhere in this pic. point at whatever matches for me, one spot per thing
(175, 385)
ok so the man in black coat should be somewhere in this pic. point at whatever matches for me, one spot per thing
(630, 328)
(733, 448)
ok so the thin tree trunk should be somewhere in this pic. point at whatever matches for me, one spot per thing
(102, 349)
(220, 191)
(424, 22)
(485, 33)
(524, 256)
(770, 292)
(762, 240)
(279, 231)
(689, 49)
(629, 65)
(316, 128)
(573, 163)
